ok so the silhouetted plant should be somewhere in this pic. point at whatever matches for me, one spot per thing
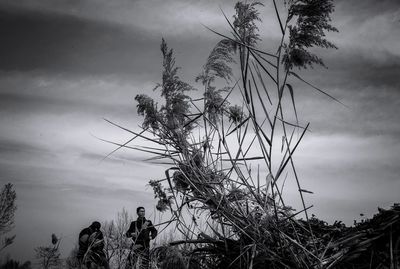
(116, 244)
(147, 108)
(13, 264)
(312, 22)
(7, 208)
(215, 103)
(235, 114)
(7, 212)
(171, 120)
(164, 200)
(218, 61)
(212, 146)
(245, 21)
(49, 256)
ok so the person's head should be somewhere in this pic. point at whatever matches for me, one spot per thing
(95, 225)
(140, 211)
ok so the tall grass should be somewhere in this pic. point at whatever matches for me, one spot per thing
(230, 159)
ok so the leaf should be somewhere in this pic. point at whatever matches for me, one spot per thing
(262, 83)
(279, 18)
(291, 124)
(268, 179)
(293, 102)
(123, 145)
(193, 120)
(132, 132)
(263, 67)
(291, 153)
(321, 91)
(265, 136)
(240, 125)
(306, 191)
(245, 159)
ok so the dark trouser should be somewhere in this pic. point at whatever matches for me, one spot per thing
(140, 255)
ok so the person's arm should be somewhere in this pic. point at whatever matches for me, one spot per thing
(84, 239)
(153, 230)
(131, 230)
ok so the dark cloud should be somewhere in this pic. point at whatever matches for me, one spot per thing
(370, 88)
(365, 9)
(25, 104)
(39, 40)
(353, 69)
(8, 145)
(365, 80)
(31, 104)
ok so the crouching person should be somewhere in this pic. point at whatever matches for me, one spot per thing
(141, 231)
(91, 244)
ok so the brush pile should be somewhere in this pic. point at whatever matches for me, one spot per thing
(373, 243)
(231, 150)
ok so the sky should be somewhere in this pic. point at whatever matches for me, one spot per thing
(67, 64)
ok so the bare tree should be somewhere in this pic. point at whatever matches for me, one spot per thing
(116, 243)
(7, 211)
(49, 256)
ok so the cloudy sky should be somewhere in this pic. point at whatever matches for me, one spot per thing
(67, 64)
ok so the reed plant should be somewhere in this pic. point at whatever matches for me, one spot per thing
(229, 159)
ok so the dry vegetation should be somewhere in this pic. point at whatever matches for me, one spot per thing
(229, 162)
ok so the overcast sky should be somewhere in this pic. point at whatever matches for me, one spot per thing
(67, 64)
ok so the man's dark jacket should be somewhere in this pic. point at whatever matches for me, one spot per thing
(141, 231)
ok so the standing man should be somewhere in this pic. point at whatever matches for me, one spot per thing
(91, 245)
(141, 231)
